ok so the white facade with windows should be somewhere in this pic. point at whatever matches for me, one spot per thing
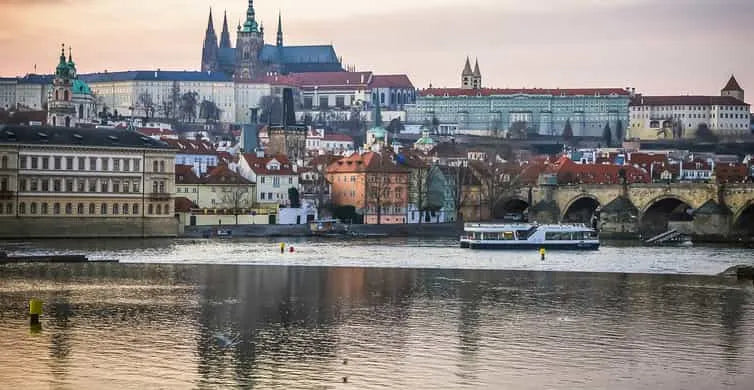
(658, 117)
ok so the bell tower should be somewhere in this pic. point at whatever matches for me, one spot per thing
(249, 43)
(61, 112)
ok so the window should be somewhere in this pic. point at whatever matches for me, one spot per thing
(162, 187)
(44, 208)
(154, 187)
(125, 208)
(137, 164)
(162, 166)
(116, 164)
(69, 208)
(68, 185)
(261, 196)
(261, 179)
(290, 180)
(80, 209)
(57, 161)
(22, 185)
(92, 185)
(92, 208)
(104, 185)
(276, 181)
(115, 209)
(34, 162)
(92, 163)
(126, 185)
(126, 165)
(136, 186)
(45, 162)
(56, 208)
(154, 166)
(151, 209)
(135, 209)
(81, 185)
(69, 163)
(116, 185)
(82, 163)
(323, 102)
(22, 208)
(269, 195)
(9, 208)
(33, 183)
(23, 162)
(3, 185)
(103, 209)
(159, 209)
(105, 163)
(4, 163)
(340, 101)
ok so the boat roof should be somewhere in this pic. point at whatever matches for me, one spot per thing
(497, 227)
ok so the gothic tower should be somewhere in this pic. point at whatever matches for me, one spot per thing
(60, 108)
(249, 43)
(733, 89)
(476, 80)
(467, 76)
(209, 49)
(279, 41)
(225, 35)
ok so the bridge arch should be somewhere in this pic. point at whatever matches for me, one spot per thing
(580, 208)
(515, 204)
(743, 220)
(656, 215)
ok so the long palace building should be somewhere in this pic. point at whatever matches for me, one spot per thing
(63, 182)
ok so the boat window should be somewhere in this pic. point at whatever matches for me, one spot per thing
(507, 236)
(557, 236)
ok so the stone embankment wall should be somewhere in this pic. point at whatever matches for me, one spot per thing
(414, 230)
(64, 227)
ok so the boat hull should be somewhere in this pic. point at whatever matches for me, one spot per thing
(531, 245)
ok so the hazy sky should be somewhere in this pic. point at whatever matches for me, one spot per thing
(656, 46)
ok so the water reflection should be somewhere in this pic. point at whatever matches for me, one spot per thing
(295, 327)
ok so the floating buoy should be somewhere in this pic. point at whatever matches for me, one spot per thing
(291, 249)
(282, 247)
(35, 311)
(542, 253)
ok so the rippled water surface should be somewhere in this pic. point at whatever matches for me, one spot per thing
(216, 326)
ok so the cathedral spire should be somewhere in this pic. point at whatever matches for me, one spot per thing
(477, 73)
(280, 30)
(225, 35)
(467, 68)
(250, 25)
(210, 24)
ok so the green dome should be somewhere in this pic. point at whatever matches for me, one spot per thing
(80, 87)
(425, 141)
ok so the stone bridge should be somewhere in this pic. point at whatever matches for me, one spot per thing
(705, 209)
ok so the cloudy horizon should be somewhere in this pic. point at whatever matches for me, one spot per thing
(672, 47)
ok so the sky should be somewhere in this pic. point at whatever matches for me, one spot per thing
(659, 47)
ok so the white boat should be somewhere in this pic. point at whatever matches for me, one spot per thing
(529, 236)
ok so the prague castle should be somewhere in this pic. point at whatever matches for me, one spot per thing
(253, 58)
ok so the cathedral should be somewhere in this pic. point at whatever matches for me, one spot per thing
(252, 58)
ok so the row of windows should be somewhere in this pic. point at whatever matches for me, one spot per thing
(79, 163)
(43, 208)
(688, 108)
(272, 196)
(78, 185)
(275, 180)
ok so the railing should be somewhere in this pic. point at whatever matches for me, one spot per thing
(159, 196)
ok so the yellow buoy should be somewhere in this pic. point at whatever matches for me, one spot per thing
(35, 310)
(542, 253)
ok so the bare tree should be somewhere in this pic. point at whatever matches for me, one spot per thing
(236, 196)
(145, 103)
(209, 111)
(174, 102)
(188, 105)
(458, 178)
(518, 129)
(497, 183)
(417, 190)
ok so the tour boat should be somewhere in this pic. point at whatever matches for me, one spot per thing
(529, 236)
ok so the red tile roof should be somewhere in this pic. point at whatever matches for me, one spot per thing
(184, 174)
(186, 146)
(732, 85)
(259, 165)
(533, 91)
(731, 172)
(154, 131)
(640, 100)
(391, 81)
(569, 172)
(223, 175)
(184, 204)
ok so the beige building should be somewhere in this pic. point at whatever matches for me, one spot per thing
(61, 182)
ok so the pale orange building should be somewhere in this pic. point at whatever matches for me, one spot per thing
(374, 184)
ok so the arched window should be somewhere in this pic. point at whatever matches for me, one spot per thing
(43, 208)
(68, 121)
(125, 208)
(162, 166)
(80, 208)
(65, 95)
(33, 208)
(69, 208)
(159, 209)
(103, 209)
(382, 98)
(167, 208)
(22, 208)
(56, 209)
(4, 163)
(92, 208)
(115, 209)
(151, 209)
(136, 209)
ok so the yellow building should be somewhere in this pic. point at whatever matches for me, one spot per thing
(62, 182)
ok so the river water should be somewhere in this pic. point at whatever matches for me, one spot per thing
(375, 314)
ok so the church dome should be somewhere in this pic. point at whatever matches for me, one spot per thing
(80, 87)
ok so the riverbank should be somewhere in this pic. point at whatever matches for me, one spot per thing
(444, 230)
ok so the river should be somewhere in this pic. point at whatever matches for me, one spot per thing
(365, 314)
